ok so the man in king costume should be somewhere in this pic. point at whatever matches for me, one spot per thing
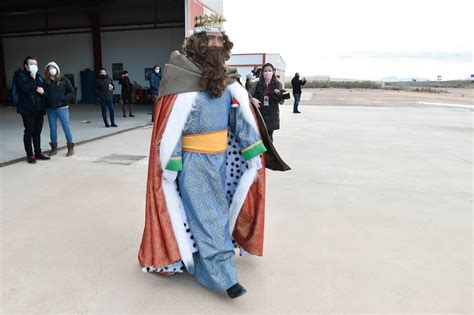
(206, 180)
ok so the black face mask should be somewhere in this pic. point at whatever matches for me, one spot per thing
(103, 76)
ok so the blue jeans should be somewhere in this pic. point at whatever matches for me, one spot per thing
(108, 104)
(63, 115)
(297, 101)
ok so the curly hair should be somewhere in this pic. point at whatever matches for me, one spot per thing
(211, 59)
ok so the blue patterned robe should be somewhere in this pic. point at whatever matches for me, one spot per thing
(205, 185)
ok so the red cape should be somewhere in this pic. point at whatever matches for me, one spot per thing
(159, 247)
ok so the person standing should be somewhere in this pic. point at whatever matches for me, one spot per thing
(205, 176)
(104, 87)
(268, 92)
(155, 80)
(296, 83)
(126, 94)
(31, 106)
(59, 92)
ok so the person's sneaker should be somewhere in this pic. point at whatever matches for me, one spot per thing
(113, 125)
(107, 125)
(31, 159)
(131, 115)
(236, 290)
(41, 156)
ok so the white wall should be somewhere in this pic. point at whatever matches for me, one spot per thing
(276, 61)
(246, 59)
(73, 53)
(243, 70)
(138, 50)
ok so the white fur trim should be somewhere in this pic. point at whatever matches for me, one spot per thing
(175, 125)
(242, 96)
(248, 177)
(174, 203)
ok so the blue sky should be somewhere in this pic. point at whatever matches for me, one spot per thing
(363, 39)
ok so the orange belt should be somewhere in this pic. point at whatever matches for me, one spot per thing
(210, 142)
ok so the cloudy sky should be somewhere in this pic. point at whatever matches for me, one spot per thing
(362, 39)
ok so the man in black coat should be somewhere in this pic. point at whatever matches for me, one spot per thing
(126, 94)
(31, 106)
(104, 87)
(296, 83)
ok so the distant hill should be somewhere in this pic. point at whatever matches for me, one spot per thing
(385, 79)
(310, 78)
(397, 79)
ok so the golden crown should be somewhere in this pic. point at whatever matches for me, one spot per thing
(209, 23)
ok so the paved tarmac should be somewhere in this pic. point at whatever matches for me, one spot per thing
(374, 217)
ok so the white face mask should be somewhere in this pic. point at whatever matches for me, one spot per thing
(157, 70)
(53, 71)
(33, 68)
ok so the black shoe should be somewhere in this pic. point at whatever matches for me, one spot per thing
(235, 291)
(107, 125)
(124, 115)
(41, 156)
(113, 125)
(297, 112)
(31, 159)
(131, 115)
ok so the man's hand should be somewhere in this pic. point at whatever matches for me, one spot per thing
(277, 91)
(40, 90)
(111, 87)
(256, 102)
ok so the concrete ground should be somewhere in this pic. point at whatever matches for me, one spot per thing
(385, 98)
(375, 216)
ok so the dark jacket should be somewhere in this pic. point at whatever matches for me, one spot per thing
(296, 83)
(126, 87)
(155, 80)
(29, 101)
(59, 93)
(271, 113)
(102, 88)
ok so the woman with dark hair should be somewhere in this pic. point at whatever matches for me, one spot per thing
(268, 92)
(126, 93)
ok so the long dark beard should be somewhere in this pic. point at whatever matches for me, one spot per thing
(214, 72)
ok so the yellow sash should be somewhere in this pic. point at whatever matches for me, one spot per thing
(210, 142)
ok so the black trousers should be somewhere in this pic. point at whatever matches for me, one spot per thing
(33, 126)
(128, 100)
